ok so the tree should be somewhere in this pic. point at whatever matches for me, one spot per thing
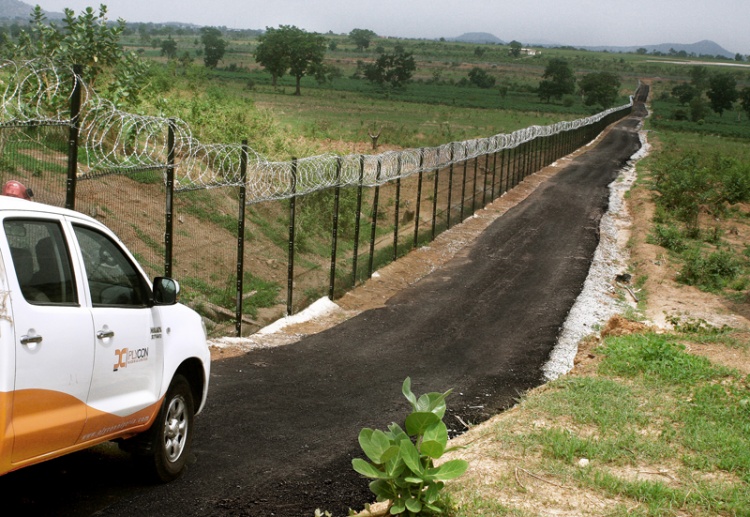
(362, 38)
(393, 70)
(699, 77)
(558, 80)
(292, 49)
(480, 77)
(273, 53)
(169, 48)
(684, 93)
(745, 100)
(722, 92)
(214, 46)
(515, 48)
(698, 109)
(307, 52)
(600, 88)
(89, 40)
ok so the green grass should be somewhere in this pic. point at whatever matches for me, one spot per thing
(223, 293)
(651, 407)
(701, 179)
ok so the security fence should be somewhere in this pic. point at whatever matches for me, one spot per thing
(212, 214)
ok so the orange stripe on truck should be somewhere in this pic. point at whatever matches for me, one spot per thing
(48, 423)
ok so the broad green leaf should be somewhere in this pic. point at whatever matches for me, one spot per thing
(395, 466)
(374, 444)
(390, 453)
(396, 434)
(418, 422)
(406, 390)
(367, 470)
(410, 455)
(433, 492)
(413, 505)
(382, 489)
(434, 441)
(433, 403)
(433, 508)
(448, 470)
(398, 507)
(432, 448)
(413, 480)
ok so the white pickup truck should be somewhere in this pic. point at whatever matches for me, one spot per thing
(90, 350)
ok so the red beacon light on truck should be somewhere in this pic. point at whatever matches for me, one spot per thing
(15, 188)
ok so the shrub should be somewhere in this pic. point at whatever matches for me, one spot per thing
(668, 236)
(710, 272)
(402, 465)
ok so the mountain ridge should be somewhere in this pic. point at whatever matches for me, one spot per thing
(16, 9)
(700, 48)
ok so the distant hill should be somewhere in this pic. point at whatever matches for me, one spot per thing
(478, 37)
(702, 48)
(13, 9)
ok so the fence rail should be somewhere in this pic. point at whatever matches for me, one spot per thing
(150, 179)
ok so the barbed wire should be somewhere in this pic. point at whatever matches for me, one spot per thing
(118, 142)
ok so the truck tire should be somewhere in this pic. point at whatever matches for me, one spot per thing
(171, 435)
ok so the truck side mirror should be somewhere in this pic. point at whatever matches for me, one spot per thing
(165, 290)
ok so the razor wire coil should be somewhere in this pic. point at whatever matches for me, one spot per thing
(118, 142)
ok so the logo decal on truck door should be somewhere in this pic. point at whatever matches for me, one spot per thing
(125, 356)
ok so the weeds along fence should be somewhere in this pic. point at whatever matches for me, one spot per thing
(223, 219)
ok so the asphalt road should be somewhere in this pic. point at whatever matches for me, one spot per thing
(281, 425)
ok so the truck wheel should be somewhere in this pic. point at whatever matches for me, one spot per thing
(172, 433)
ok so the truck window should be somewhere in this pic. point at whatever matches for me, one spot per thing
(113, 280)
(42, 261)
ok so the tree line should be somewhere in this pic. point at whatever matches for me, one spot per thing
(705, 90)
(596, 88)
(91, 40)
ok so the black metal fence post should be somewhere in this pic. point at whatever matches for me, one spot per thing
(450, 186)
(169, 208)
(484, 184)
(398, 206)
(290, 267)
(463, 187)
(358, 218)
(494, 176)
(435, 194)
(335, 230)
(374, 227)
(500, 189)
(419, 198)
(241, 239)
(73, 130)
(527, 153)
(474, 185)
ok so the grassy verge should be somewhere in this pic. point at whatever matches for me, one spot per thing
(701, 186)
(646, 428)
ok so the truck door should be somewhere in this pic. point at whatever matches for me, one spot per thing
(128, 356)
(54, 339)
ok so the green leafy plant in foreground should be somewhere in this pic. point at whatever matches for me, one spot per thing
(402, 462)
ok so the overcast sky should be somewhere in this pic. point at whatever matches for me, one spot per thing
(568, 22)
